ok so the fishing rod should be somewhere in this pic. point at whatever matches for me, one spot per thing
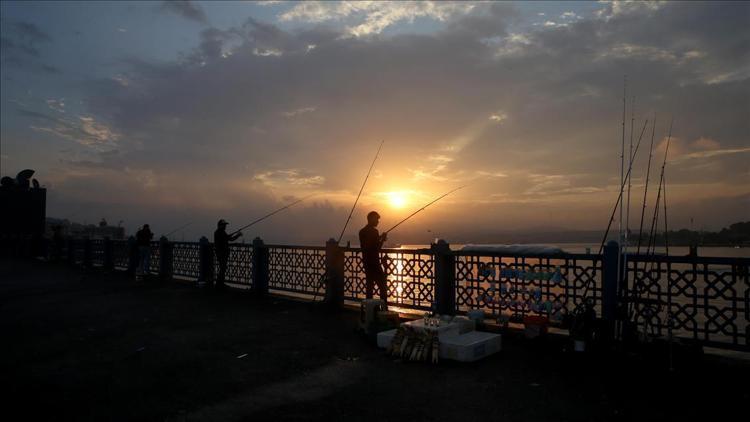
(270, 214)
(624, 180)
(315, 295)
(622, 160)
(322, 280)
(178, 229)
(421, 209)
(360, 192)
(622, 186)
(652, 232)
(635, 294)
(645, 190)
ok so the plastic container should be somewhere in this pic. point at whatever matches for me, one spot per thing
(469, 347)
(385, 338)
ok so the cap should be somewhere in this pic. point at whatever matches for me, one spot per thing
(222, 223)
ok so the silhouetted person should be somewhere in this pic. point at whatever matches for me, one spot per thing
(221, 246)
(143, 240)
(371, 241)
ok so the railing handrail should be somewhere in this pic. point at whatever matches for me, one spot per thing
(557, 255)
(315, 248)
(682, 259)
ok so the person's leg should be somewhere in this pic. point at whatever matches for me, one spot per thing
(147, 260)
(222, 271)
(383, 287)
(141, 261)
(368, 285)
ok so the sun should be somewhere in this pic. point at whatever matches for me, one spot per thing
(397, 199)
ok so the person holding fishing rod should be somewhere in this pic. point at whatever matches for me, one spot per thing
(143, 240)
(221, 246)
(371, 242)
(222, 239)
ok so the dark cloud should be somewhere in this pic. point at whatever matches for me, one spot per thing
(19, 47)
(186, 9)
(229, 110)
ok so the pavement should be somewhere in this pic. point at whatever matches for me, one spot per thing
(90, 345)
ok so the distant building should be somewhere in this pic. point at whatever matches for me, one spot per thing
(72, 229)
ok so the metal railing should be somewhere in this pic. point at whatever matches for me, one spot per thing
(296, 269)
(520, 285)
(698, 298)
(410, 277)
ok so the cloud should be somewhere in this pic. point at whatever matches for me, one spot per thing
(19, 47)
(499, 117)
(704, 143)
(84, 130)
(238, 119)
(29, 33)
(373, 17)
(187, 9)
(712, 153)
(297, 112)
(57, 105)
(553, 24)
(295, 177)
(624, 8)
(570, 15)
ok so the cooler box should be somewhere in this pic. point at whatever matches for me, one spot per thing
(469, 347)
(385, 338)
(442, 330)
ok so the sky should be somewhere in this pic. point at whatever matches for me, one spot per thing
(181, 112)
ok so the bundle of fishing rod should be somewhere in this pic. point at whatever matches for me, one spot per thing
(415, 345)
(634, 298)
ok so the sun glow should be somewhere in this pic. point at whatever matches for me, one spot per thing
(397, 199)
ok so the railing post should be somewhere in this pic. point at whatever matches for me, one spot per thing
(335, 274)
(260, 271)
(610, 272)
(132, 255)
(109, 262)
(86, 252)
(445, 278)
(165, 259)
(206, 265)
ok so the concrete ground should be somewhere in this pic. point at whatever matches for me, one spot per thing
(96, 346)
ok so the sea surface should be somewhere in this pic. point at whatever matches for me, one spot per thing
(712, 251)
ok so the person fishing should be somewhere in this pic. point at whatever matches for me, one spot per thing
(371, 241)
(143, 240)
(221, 246)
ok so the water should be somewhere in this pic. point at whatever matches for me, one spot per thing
(711, 251)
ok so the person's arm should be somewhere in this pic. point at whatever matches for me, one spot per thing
(235, 237)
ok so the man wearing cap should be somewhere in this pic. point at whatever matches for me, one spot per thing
(221, 246)
(371, 241)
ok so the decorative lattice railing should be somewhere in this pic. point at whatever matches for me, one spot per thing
(520, 285)
(186, 260)
(410, 277)
(297, 269)
(703, 299)
(706, 298)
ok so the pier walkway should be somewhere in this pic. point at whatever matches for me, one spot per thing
(97, 346)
